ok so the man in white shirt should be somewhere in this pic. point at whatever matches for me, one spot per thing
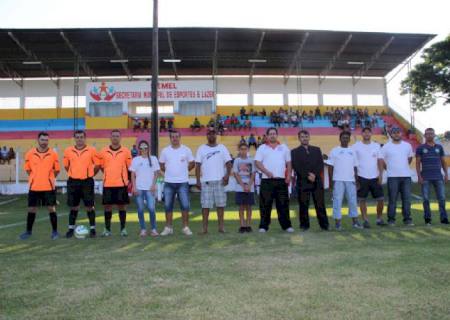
(370, 176)
(213, 168)
(274, 161)
(176, 161)
(396, 156)
(342, 170)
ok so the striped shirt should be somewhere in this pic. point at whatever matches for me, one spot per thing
(430, 160)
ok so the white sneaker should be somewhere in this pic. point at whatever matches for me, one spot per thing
(143, 233)
(154, 233)
(262, 230)
(290, 230)
(187, 231)
(167, 231)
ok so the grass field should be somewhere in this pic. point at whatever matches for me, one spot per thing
(381, 273)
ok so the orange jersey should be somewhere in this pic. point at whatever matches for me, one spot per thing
(115, 164)
(42, 167)
(80, 164)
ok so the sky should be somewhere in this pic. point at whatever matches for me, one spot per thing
(413, 16)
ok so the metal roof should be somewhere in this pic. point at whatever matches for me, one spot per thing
(204, 51)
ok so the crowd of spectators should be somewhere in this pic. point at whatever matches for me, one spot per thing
(6, 155)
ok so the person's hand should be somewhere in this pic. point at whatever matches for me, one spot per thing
(420, 179)
(311, 177)
(269, 175)
(225, 180)
(246, 187)
(288, 180)
(446, 178)
(380, 181)
(199, 185)
(153, 188)
(135, 192)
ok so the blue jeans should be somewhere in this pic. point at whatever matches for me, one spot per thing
(402, 186)
(347, 188)
(150, 199)
(182, 192)
(439, 189)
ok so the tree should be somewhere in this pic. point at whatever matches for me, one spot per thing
(430, 80)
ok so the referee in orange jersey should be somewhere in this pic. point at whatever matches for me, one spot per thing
(114, 162)
(42, 167)
(82, 164)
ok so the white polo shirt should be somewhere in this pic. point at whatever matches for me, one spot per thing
(176, 163)
(274, 159)
(367, 155)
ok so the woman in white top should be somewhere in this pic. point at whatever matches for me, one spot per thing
(144, 172)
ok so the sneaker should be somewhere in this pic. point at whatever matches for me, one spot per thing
(92, 233)
(444, 221)
(167, 231)
(409, 223)
(262, 230)
(338, 226)
(357, 225)
(124, 232)
(391, 223)
(428, 224)
(428, 221)
(381, 223)
(55, 235)
(249, 229)
(366, 224)
(186, 231)
(289, 230)
(25, 235)
(69, 233)
(304, 229)
(242, 230)
(143, 233)
(154, 233)
(106, 233)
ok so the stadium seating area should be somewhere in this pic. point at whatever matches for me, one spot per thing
(40, 125)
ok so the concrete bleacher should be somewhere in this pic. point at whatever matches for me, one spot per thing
(40, 125)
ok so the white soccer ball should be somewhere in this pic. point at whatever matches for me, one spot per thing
(81, 232)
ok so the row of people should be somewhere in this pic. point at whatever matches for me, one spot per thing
(6, 155)
(354, 172)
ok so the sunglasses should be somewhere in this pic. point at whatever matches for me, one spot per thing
(143, 148)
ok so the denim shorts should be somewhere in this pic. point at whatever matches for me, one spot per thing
(181, 190)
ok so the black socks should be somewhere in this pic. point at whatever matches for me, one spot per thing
(30, 221)
(72, 218)
(91, 216)
(54, 220)
(123, 219)
(108, 216)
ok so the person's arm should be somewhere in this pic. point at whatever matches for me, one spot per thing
(288, 172)
(66, 161)
(133, 182)
(418, 169)
(239, 179)
(227, 175)
(330, 176)
(156, 174)
(261, 168)
(444, 167)
(56, 166)
(162, 165)
(191, 165)
(197, 174)
(380, 171)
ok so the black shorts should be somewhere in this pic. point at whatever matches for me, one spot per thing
(115, 195)
(366, 185)
(245, 198)
(41, 198)
(80, 189)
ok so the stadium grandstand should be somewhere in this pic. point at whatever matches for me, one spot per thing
(245, 80)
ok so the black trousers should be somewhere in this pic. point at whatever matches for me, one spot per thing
(319, 203)
(274, 189)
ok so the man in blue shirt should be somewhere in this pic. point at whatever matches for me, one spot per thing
(429, 162)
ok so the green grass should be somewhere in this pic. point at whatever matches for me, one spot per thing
(381, 273)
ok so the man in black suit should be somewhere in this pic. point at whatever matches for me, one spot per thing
(307, 162)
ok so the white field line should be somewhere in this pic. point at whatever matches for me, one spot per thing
(8, 201)
(11, 225)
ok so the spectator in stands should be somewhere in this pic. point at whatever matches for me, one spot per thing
(311, 116)
(247, 124)
(294, 120)
(4, 155)
(242, 140)
(162, 124)
(146, 123)
(227, 124)
(242, 113)
(317, 113)
(252, 141)
(234, 122)
(274, 161)
(134, 151)
(430, 161)
(170, 124)
(396, 156)
(11, 154)
(136, 124)
(259, 141)
(196, 125)
(213, 168)
(263, 113)
(343, 173)
(307, 163)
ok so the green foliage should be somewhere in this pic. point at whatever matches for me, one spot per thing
(430, 80)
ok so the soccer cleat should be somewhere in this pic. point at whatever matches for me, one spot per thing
(444, 221)
(409, 223)
(262, 230)
(366, 224)
(25, 235)
(428, 224)
(55, 235)
(69, 233)
(357, 225)
(391, 223)
(249, 229)
(124, 232)
(381, 223)
(241, 230)
(167, 231)
(92, 233)
(106, 233)
(289, 230)
(186, 231)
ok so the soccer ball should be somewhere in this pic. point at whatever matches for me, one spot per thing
(81, 232)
